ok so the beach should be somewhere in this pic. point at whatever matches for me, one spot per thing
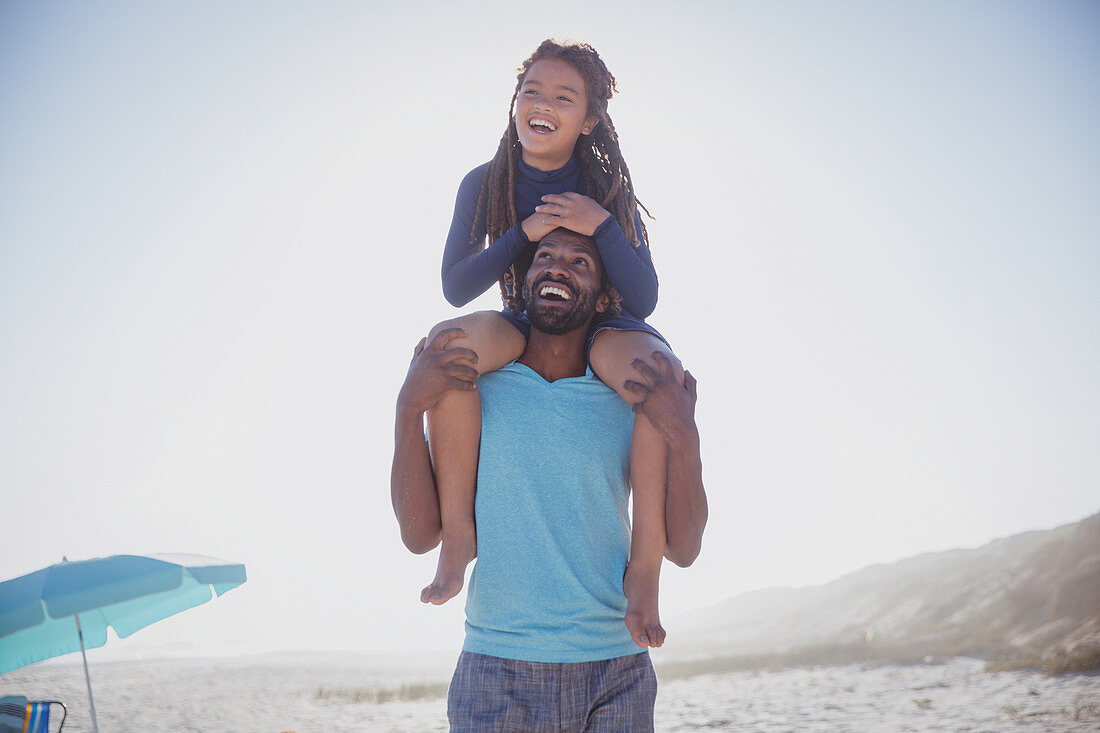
(381, 693)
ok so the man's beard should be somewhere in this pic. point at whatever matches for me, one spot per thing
(557, 321)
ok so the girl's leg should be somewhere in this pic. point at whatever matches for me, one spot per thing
(611, 356)
(454, 433)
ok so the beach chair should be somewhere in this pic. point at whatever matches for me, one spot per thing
(20, 715)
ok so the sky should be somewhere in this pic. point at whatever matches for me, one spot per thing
(877, 231)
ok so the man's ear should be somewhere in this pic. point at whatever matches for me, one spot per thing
(603, 301)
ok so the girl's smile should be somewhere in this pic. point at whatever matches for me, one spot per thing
(551, 113)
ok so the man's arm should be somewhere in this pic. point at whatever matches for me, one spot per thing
(434, 371)
(670, 408)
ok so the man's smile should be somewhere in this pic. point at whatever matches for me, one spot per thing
(550, 291)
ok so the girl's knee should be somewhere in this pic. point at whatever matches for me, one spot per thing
(614, 353)
(470, 323)
(488, 334)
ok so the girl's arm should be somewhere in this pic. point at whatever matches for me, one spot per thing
(629, 268)
(435, 370)
(467, 273)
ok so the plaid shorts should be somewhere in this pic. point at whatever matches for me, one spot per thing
(497, 695)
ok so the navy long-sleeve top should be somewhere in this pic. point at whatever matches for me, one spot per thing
(468, 273)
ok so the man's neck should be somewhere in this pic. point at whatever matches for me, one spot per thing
(556, 357)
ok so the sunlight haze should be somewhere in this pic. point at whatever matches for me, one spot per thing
(221, 225)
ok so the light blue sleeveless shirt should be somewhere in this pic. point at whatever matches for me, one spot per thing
(553, 529)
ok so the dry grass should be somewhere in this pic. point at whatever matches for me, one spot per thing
(378, 695)
(1085, 662)
(1088, 661)
(1014, 664)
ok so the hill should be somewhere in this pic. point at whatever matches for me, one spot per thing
(1033, 596)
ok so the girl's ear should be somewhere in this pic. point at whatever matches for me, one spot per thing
(589, 125)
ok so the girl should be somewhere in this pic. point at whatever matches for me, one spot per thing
(558, 165)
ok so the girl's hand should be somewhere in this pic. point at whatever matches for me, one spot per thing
(535, 226)
(572, 211)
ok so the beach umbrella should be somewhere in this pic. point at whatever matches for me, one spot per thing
(68, 606)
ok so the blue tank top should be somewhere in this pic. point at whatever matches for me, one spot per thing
(553, 527)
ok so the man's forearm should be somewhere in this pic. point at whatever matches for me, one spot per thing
(412, 484)
(686, 500)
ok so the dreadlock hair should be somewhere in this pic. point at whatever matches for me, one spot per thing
(605, 172)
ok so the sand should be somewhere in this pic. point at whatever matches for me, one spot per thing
(381, 694)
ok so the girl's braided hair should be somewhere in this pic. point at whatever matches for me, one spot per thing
(605, 171)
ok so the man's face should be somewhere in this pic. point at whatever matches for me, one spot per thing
(562, 289)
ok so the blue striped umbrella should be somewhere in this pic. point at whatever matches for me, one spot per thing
(68, 606)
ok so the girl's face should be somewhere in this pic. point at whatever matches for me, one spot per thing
(551, 113)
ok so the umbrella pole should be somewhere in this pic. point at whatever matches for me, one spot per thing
(87, 677)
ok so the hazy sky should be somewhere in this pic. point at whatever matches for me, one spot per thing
(877, 233)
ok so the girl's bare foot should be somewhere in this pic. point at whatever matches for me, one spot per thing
(457, 550)
(642, 618)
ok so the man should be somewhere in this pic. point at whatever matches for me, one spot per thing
(546, 644)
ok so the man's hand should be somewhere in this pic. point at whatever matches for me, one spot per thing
(669, 405)
(436, 370)
(573, 211)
